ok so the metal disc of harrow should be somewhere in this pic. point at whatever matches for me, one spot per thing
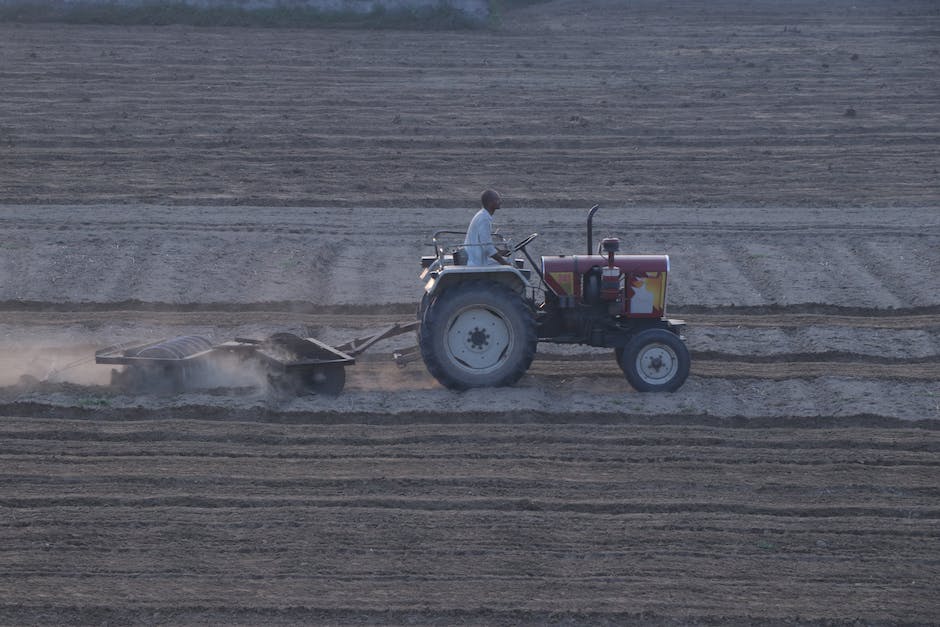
(323, 378)
(177, 348)
(178, 371)
(293, 345)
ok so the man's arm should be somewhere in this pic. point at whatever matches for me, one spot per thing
(485, 237)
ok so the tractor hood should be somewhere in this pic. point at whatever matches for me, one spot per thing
(645, 277)
(628, 264)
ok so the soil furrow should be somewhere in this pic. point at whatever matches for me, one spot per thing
(356, 315)
(65, 431)
(775, 370)
(103, 228)
(606, 507)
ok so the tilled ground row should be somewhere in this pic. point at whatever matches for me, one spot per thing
(757, 366)
(523, 520)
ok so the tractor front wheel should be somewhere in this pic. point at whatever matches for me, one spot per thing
(655, 360)
(478, 334)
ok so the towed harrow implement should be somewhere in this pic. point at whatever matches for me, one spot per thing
(290, 363)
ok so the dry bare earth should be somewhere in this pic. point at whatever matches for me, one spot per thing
(793, 479)
(234, 522)
(572, 102)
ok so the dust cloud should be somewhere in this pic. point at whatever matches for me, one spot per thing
(26, 364)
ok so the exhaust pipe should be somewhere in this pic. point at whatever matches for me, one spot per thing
(590, 229)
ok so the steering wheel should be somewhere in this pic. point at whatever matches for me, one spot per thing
(524, 242)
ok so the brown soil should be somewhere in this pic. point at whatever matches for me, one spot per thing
(793, 479)
(726, 102)
(183, 521)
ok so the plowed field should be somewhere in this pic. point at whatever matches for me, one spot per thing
(718, 103)
(795, 478)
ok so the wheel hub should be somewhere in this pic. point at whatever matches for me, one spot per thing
(657, 363)
(478, 339)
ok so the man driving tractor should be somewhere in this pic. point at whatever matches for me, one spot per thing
(479, 240)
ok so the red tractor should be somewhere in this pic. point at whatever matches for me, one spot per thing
(480, 325)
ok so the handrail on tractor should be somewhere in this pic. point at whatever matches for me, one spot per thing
(440, 251)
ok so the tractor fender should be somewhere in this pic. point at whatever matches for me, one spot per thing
(452, 275)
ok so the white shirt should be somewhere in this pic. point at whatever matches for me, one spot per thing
(479, 240)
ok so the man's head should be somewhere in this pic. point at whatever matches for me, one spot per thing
(490, 200)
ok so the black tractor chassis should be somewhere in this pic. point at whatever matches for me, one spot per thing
(608, 333)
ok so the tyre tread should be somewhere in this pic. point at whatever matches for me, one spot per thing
(432, 360)
(627, 360)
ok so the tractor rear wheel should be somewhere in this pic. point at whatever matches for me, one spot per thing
(655, 360)
(419, 314)
(478, 334)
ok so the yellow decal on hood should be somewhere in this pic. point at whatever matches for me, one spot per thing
(565, 281)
